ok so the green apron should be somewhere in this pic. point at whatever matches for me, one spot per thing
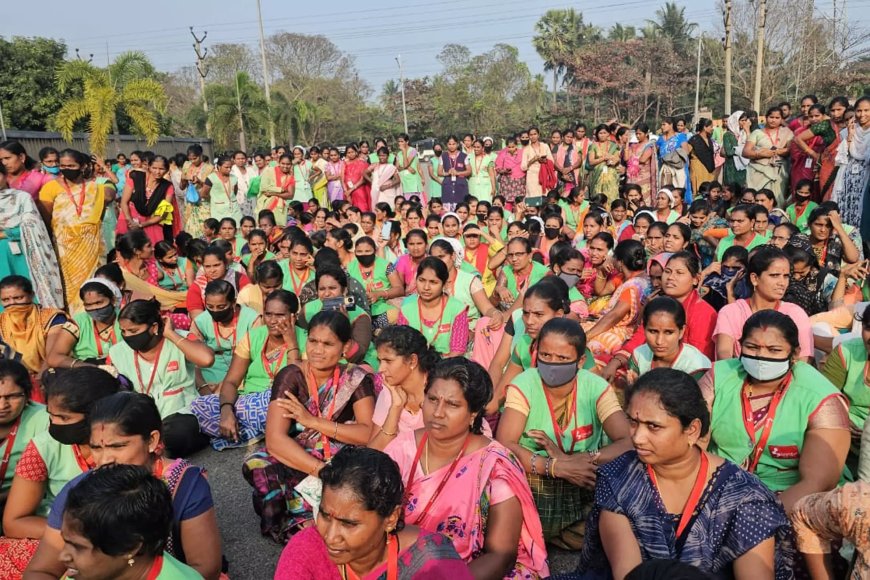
(223, 347)
(62, 464)
(259, 377)
(690, 360)
(376, 281)
(312, 309)
(173, 387)
(439, 335)
(90, 344)
(222, 203)
(536, 275)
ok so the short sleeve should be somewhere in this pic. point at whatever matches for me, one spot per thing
(476, 285)
(48, 192)
(195, 489)
(832, 413)
(607, 404)
(55, 516)
(31, 466)
(243, 347)
(382, 407)
(514, 399)
(752, 522)
(835, 368)
(500, 490)
(209, 182)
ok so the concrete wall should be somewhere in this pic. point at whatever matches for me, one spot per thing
(33, 141)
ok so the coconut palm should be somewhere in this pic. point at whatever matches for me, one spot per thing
(558, 33)
(671, 23)
(622, 33)
(237, 110)
(125, 85)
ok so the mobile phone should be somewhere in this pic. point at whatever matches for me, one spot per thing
(335, 304)
(535, 201)
(385, 231)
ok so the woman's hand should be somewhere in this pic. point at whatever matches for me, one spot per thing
(505, 295)
(286, 327)
(295, 410)
(229, 425)
(836, 222)
(496, 319)
(732, 283)
(398, 396)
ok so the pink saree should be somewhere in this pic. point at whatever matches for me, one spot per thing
(483, 478)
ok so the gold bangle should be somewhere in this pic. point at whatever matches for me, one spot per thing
(388, 434)
(335, 435)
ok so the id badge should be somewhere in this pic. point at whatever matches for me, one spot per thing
(15, 248)
(856, 168)
(809, 163)
(453, 178)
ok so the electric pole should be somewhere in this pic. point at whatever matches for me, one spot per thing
(202, 69)
(242, 140)
(697, 116)
(759, 57)
(266, 79)
(728, 6)
(402, 83)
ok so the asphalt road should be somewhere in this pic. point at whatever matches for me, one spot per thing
(251, 556)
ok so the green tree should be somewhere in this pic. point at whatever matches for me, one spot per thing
(622, 33)
(28, 92)
(124, 87)
(557, 34)
(671, 22)
(237, 111)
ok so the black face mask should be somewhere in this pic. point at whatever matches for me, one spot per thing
(222, 316)
(551, 233)
(142, 341)
(487, 148)
(105, 314)
(71, 174)
(438, 152)
(524, 142)
(366, 261)
(72, 434)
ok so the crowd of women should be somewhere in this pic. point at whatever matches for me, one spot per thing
(649, 350)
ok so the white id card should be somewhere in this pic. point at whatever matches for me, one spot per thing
(809, 163)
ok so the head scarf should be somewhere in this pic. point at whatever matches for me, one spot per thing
(670, 195)
(734, 126)
(647, 213)
(661, 259)
(734, 122)
(458, 250)
(451, 214)
(116, 292)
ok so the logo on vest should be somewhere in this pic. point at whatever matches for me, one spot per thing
(172, 366)
(444, 328)
(784, 451)
(582, 432)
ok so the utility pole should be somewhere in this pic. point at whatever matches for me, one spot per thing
(2, 122)
(759, 57)
(266, 79)
(698, 81)
(202, 69)
(242, 140)
(402, 83)
(728, 6)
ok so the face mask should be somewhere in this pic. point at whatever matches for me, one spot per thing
(765, 369)
(18, 308)
(72, 434)
(71, 174)
(487, 148)
(551, 233)
(438, 152)
(141, 341)
(53, 170)
(222, 316)
(570, 279)
(366, 261)
(105, 314)
(557, 374)
(524, 141)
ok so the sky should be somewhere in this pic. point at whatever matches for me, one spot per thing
(375, 32)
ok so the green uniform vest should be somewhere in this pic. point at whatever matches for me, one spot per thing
(312, 309)
(86, 346)
(728, 241)
(223, 347)
(257, 378)
(61, 464)
(568, 214)
(222, 203)
(173, 281)
(411, 182)
(854, 355)
(437, 336)
(171, 569)
(34, 420)
(288, 279)
(801, 222)
(690, 360)
(583, 432)
(246, 259)
(434, 188)
(173, 389)
(778, 465)
(303, 186)
(535, 276)
(377, 283)
(462, 292)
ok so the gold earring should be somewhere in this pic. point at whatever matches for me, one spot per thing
(131, 561)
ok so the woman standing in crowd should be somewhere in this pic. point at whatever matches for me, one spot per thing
(673, 150)
(277, 188)
(385, 180)
(74, 206)
(220, 189)
(733, 143)
(356, 188)
(481, 183)
(491, 517)
(126, 430)
(236, 413)
(555, 418)
(603, 159)
(647, 508)
(364, 484)
(702, 153)
(148, 202)
(798, 418)
(194, 174)
(21, 170)
(408, 164)
(318, 406)
(804, 165)
(854, 158)
(768, 149)
(641, 168)
(534, 154)
(511, 177)
(829, 131)
(334, 176)
(454, 171)
(304, 175)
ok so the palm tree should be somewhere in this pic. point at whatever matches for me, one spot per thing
(671, 23)
(237, 110)
(558, 33)
(126, 85)
(622, 33)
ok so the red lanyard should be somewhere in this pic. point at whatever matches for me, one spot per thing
(392, 561)
(217, 331)
(272, 368)
(437, 320)
(80, 206)
(83, 463)
(302, 281)
(156, 568)
(572, 411)
(776, 142)
(694, 498)
(10, 441)
(280, 181)
(749, 424)
(314, 396)
(147, 389)
(521, 282)
(444, 481)
(99, 342)
(478, 164)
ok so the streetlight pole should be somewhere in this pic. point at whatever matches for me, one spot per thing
(759, 57)
(266, 78)
(698, 80)
(402, 84)
(2, 122)
(728, 57)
